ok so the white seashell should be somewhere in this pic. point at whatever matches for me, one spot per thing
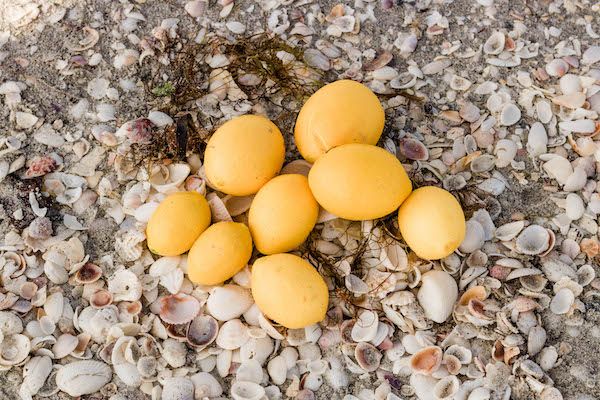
(463, 354)
(174, 352)
(277, 369)
(558, 168)
(224, 362)
(14, 349)
(509, 231)
(35, 373)
(480, 393)
(218, 208)
(533, 240)
(536, 340)
(576, 181)
(544, 111)
(365, 328)
(178, 388)
(237, 205)
(495, 43)
(510, 114)
(241, 390)
(547, 358)
(159, 118)
(145, 211)
(83, 377)
(167, 179)
(423, 386)
(164, 265)
(557, 67)
(97, 322)
(10, 323)
(562, 301)
(232, 335)
(301, 167)
(228, 302)
(394, 257)
(572, 101)
(178, 308)
(591, 55)
(205, 385)
(574, 206)
(437, 295)
(446, 388)
(570, 84)
(65, 345)
(172, 281)
(537, 140)
(578, 126)
(125, 369)
(474, 237)
(505, 151)
(459, 83)
(125, 286)
(250, 371)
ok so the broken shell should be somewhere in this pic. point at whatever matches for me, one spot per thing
(495, 43)
(125, 286)
(228, 302)
(202, 331)
(88, 273)
(394, 257)
(367, 356)
(237, 205)
(463, 354)
(178, 308)
(533, 240)
(35, 373)
(101, 298)
(427, 360)
(167, 179)
(474, 292)
(365, 328)
(241, 390)
(83, 377)
(446, 388)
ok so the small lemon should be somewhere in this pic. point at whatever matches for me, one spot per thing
(220, 252)
(177, 222)
(290, 291)
(432, 222)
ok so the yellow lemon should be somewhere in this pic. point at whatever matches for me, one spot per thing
(289, 290)
(220, 252)
(282, 214)
(243, 155)
(359, 182)
(341, 112)
(432, 222)
(177, 222)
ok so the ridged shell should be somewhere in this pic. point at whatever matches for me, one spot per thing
(83, 377)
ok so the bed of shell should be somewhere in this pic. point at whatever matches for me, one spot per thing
(124, 323)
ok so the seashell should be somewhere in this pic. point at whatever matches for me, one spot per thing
(547, 358)
(125, 286)
(437, 295)
(202, 331)
(297, 167)
(474, 237)
(28, 290)
(510, 114)
(394, 257)
(178, 308)
(537, 140)
(474, 292)
(480, 393)
(88, 273)
(558, 168)
(570, 84)
(40, 166)
(224, 362)
(101, 298)
(459, 83)
(427, 360)
(533, 240)
(65, 345)
(452, 363)
(585, 275)
(591, 55)
(312, 382)
(83, 339)
(367, 356)
(574, 206)
(232, 335)
(413, 149)
(228, 302)
(250, 371)
(572, 101)
(83, 377)
(365, 328)
(562, 301)
(167, 179)
(355, 284)
(178, 388)
(138, 131)
(423, 386)
(509, 231)
(551, 393)
(557, 67)
(172, 281)
(535, 283)
(544, 111)
(495, 43)
(35, 373)
(237, 205)
(174, 352)
(505, 151)
(218, 208)
(578, 126)
(241, 390)
(483, 163)
(277, 369)
(14, 349)
(146, 366)
(205, 385)
(446, 388)
(536, 340)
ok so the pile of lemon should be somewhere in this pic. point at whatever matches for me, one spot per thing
(337, 130)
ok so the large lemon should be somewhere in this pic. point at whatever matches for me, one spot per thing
(177, 222)
(290, 291)
(341, 112)
(243, 155)
(432, 222)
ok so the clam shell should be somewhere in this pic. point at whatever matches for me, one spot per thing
(367, 356)
(83, 377)
(125, 286)
(241, 390)
(65, 345)
(178, 308)
(178, 388)
(14, 349)
(277, 369)
(427, 360)
(509, 231)
(510, 114)
(562, 301)
(205, 385)
(202, 331)
(250, 371)
(495, 43)
(232, 335)
(228, 302)
(35, 373)
(101, 298)
(365, 328)
(446, 388)
(533, 240)
(474, 237)
(174, 352)
(167, 179)
(88, 273)
(437, 295)
(394, 257)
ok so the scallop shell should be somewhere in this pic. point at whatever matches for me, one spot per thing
(533, 240)
(427, 360)
(205, 385)
(83, 377)
(232, 335)
(228, 302)
(367, 356)
(178, 308)
(202, 331)
(35, 373)
(241, 390)
(178, 388)
(167, 179)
